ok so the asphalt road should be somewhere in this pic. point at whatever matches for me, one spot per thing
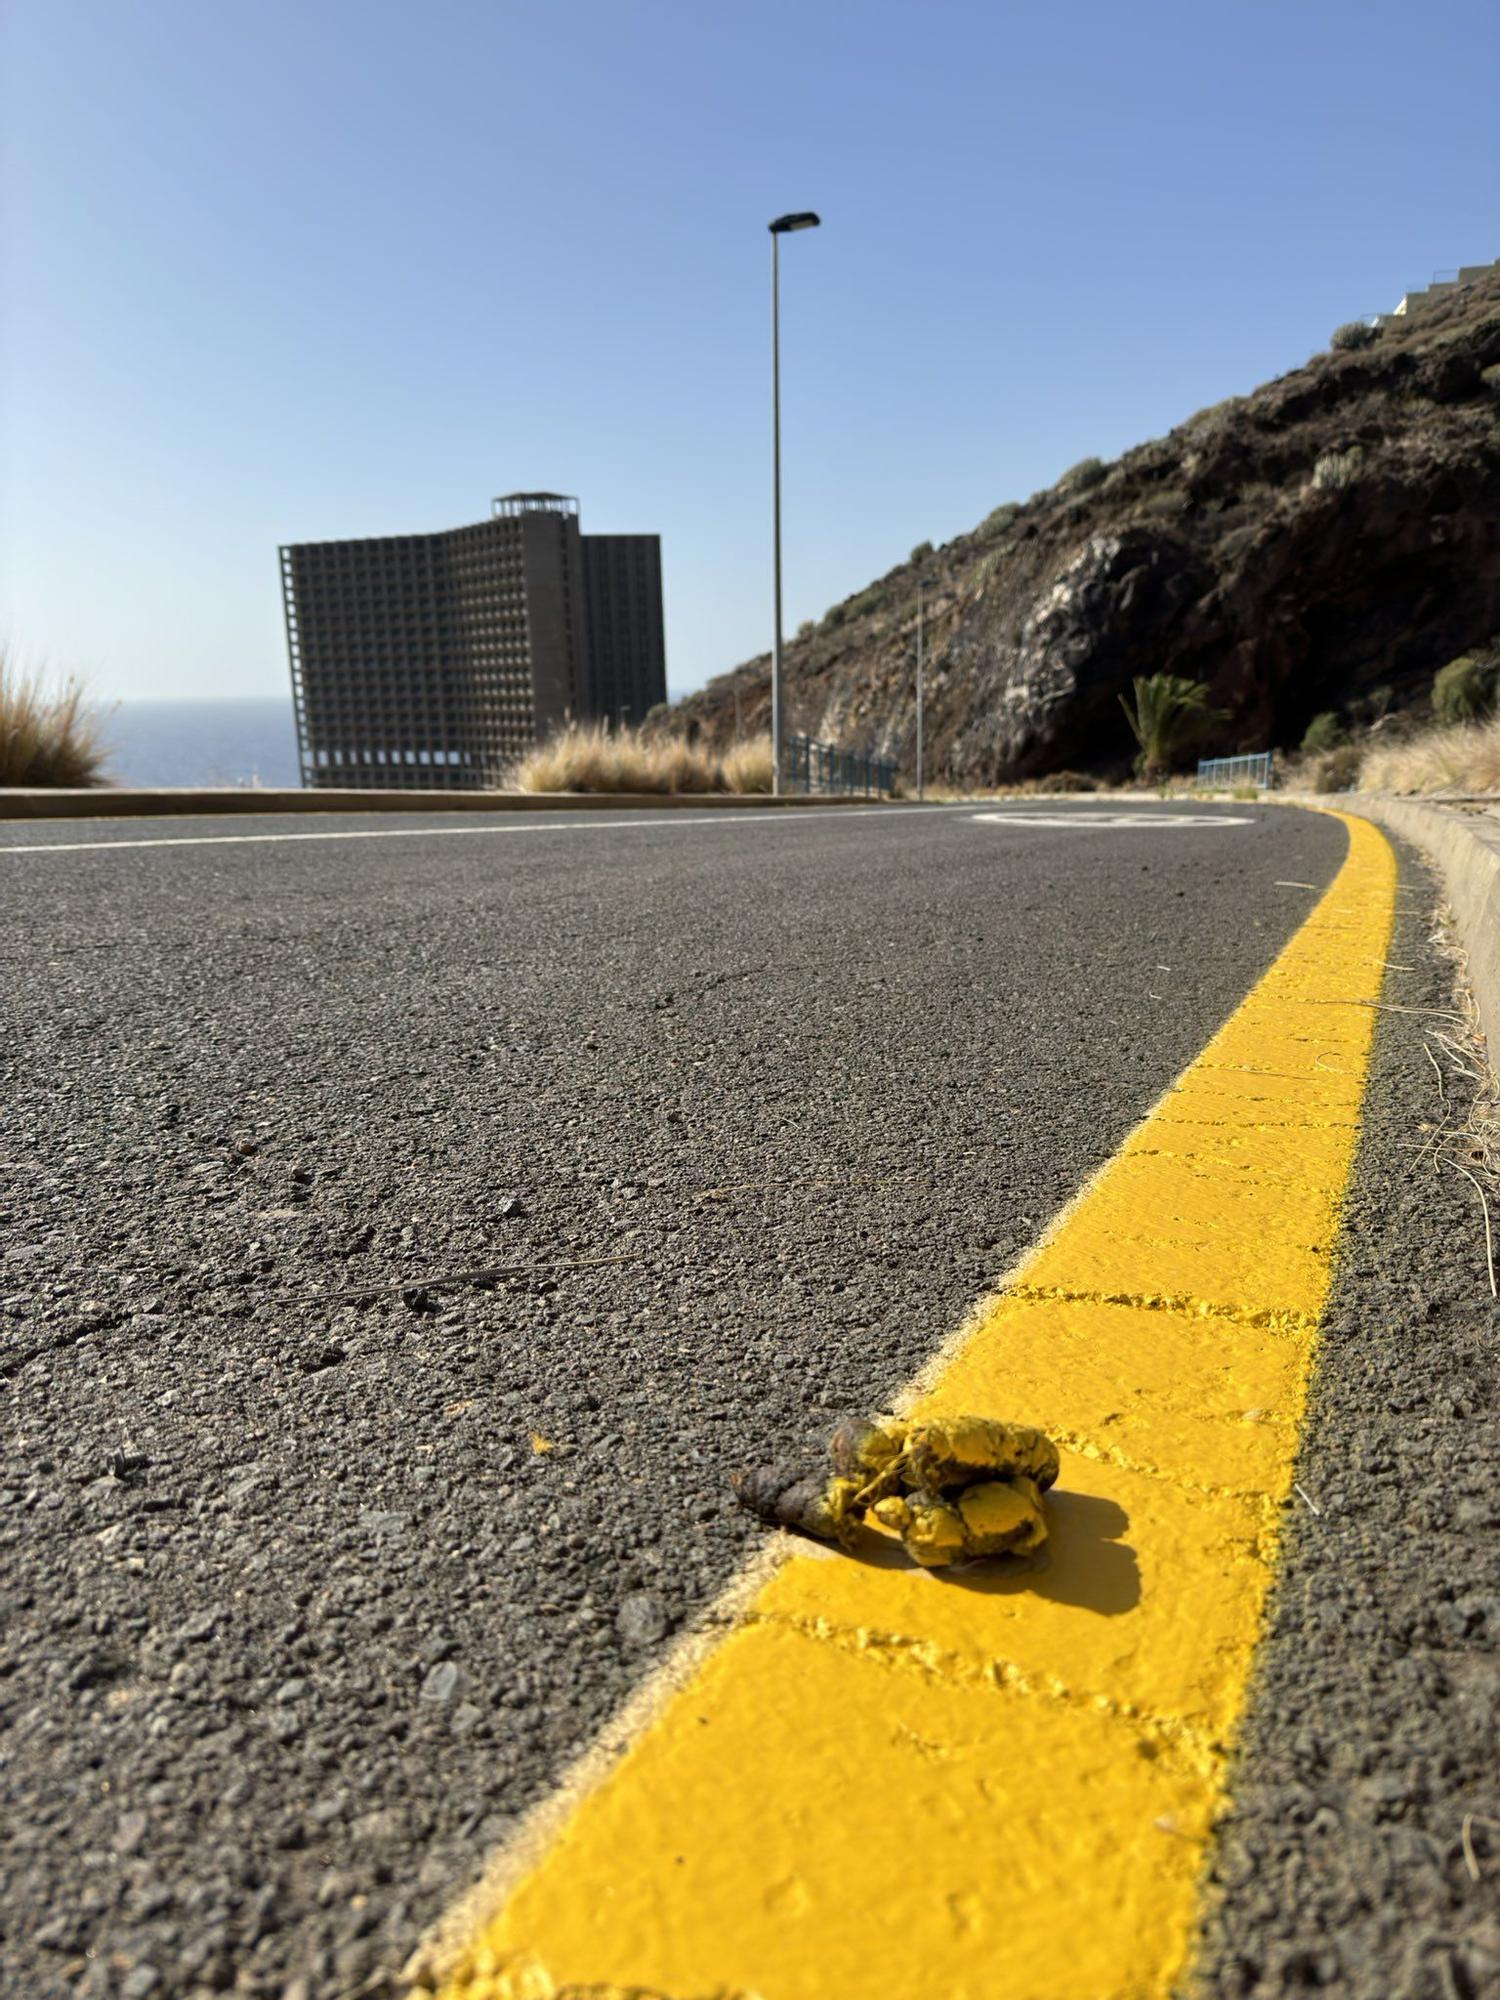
(309, 1594)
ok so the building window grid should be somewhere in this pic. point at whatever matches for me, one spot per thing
(402, 646)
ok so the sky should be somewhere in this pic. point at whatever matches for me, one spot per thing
(292, 270)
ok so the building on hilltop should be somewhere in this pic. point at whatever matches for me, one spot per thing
(433, 661)
(1443, 283)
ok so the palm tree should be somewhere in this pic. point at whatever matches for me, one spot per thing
(1168, 712)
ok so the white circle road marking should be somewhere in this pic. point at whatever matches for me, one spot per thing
(1111, 819)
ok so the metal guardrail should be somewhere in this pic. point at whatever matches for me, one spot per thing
(811, 766)
(1255, 770)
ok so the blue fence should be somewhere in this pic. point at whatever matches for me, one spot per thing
(809, 766)
(1254, 770)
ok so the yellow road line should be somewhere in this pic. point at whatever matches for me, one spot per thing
(951, 1788)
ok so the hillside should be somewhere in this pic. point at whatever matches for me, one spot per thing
(1327, 542)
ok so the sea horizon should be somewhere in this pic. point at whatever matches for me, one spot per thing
(237, 740)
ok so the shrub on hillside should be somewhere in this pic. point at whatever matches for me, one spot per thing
(1354, 333)
(1213, 415)
(48, 736)
(920, 553)
(871, 598)
(1067, 781)
(1338, 468)
(1080, 477)
(1164, 501)
(999, 519)
(1337, 770)
(1324, 732)
(1464, 690)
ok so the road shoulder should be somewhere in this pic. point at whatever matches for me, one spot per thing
(1368, 1749)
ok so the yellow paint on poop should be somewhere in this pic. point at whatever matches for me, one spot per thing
(980, 1784)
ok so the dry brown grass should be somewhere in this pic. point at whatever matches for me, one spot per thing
(586, 757)
(48, 733)
(1335, 770)
(747, 767)
(1465, 757)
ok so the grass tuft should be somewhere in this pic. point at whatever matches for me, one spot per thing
(587, 757)
(1338, 469)
(1465, 757)
(747, 767)
(48, 733)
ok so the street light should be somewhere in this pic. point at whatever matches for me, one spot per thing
(782, 226)
(923, 583)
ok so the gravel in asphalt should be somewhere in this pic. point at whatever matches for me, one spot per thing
(310, 1595)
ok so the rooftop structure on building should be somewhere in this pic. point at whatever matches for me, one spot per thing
(434, 661)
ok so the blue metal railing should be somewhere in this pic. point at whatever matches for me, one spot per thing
(809, 766)
(1254, 770)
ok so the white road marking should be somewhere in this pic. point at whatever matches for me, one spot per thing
(1114, 819)
(584, 823)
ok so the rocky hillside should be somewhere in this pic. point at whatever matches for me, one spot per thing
(1326, 543)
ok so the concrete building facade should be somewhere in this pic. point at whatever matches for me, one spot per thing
(627, 650)
(433, 661)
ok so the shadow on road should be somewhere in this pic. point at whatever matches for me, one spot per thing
(1085, 1562)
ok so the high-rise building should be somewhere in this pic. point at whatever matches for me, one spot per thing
(622, 592)
(434, 661)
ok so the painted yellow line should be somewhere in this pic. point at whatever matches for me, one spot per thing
(952, 1788)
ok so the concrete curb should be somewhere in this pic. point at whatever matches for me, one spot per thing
(105, 802)
(1464, 845)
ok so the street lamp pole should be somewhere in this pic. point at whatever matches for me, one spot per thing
(782, 226)
(921, 586)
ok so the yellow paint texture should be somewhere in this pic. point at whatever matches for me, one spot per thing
(964, 1786)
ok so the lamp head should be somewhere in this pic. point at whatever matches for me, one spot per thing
(785, 224)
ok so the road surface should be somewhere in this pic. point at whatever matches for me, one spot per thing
(405, 1227)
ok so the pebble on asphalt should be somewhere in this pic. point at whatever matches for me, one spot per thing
(641, 1620)
(443, 1684)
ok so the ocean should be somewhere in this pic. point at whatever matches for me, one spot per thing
(249, 741)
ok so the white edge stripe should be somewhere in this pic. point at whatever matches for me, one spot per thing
(584, 823)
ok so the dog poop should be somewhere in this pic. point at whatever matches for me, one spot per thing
(953, 1489)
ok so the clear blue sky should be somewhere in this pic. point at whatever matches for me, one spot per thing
(275, 270)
